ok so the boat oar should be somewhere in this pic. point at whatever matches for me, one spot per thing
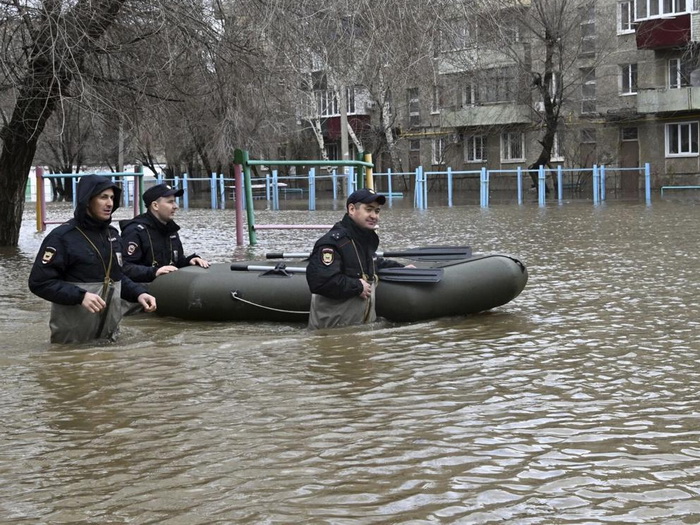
(427, 253)
(406, 275)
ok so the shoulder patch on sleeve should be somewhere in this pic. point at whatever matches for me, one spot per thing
(49, 253)
(327, 256)
(131, 248)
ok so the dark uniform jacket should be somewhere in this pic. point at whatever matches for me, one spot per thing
(341, 257)
(75, 258)
(79, 251)
(150, 244)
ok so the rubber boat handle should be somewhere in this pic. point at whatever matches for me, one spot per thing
(427, 253)
(406, 275)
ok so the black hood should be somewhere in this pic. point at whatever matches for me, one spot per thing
(88, 187)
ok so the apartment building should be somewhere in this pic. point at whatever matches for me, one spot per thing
(626, 78)
(615, 83)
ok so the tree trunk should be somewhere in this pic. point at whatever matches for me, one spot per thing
(50, 70)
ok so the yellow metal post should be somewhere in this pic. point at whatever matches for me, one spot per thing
(369, 178)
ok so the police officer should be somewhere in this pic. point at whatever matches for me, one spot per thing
(151, 240)
(79, 269)
(342, 267)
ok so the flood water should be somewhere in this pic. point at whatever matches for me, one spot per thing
(578, 402)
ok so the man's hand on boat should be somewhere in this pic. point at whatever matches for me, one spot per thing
(199, 262)
(165, 269)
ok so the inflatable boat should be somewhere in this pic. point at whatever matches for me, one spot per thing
(268, 291)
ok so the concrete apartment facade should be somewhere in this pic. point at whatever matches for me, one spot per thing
(627, 83)
(632, 97)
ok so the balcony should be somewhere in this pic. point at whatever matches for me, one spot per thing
(492, 115)
(663, 33)
(668, 100)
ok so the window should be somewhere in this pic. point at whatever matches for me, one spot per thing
(628, 79)
(679, 72)
(629, 134)
(328, 103)
(625, 17)
(456, 35)
(414, 145)
(436, 102)
(588, 136)
(587, 15)
(557, 155)
(475, 148)
(413, 107)
(512, 146)
(658, 8)
(471, 94)
(682, 139)
(497, 85)
(332, 151)
(439, 150)
(588, 90)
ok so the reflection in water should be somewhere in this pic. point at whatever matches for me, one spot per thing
(577, 402)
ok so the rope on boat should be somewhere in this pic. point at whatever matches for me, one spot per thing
(235, 296)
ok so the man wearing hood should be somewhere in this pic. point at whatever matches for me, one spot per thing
(151, 240)
(79, 269)
(342, 269)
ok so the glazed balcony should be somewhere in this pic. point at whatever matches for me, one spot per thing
(666, 100)
(672, 31)
(489, 115)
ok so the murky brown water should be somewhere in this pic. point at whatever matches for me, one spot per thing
(576, 403)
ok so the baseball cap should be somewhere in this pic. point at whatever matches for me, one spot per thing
(160, 190)
(365, 195)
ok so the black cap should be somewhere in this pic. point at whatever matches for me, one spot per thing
(365, 195)
(160, 190)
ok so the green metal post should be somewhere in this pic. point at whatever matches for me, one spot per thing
(242, 157)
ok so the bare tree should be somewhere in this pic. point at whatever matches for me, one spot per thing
(547, 47)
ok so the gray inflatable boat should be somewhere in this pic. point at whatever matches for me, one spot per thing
(264, 291)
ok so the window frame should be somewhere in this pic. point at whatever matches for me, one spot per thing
(682, 73)
(506, 149)
(693, 127)
(439, 146)
(625, 20)
(472, 153)
(629, 77)
(557, 155)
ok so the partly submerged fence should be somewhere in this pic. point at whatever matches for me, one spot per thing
(130, 189)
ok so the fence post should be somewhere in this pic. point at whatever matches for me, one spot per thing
(484, 188)
(138, 190)
(388, 185)
(520, 184)
(334, 179)
(186, 195)
(350, 179)
(449, 187)
(560, 182)
(312, 189)
(275, 191)
(596, 183)
(74, 183)
(222, 191)
(418, 191)
(541, 186)
(40, 200)
(212, 190)
(602, 182)
(238, 190)
(647, 182)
